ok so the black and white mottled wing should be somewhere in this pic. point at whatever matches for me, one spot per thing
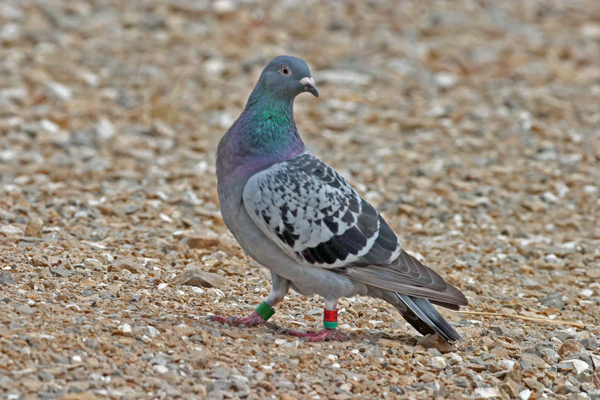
(316, 217)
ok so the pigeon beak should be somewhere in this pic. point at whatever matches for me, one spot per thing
(309, 85)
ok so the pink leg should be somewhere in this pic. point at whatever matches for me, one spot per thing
(325, 334)
(251, 320)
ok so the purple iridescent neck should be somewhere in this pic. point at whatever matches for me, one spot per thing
(263, 135)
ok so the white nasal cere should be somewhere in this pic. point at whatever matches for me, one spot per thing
(308, 81)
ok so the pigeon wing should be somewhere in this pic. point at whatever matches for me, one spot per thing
(317, 218)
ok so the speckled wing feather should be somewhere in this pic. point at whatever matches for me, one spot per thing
(317, 218)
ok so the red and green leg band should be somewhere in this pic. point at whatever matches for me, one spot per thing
(330, 319)
(265, 311)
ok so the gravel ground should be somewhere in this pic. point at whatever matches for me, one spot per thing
(473, 126)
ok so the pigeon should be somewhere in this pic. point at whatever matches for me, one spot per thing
(302, 220)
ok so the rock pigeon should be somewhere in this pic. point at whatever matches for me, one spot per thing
(298, 217)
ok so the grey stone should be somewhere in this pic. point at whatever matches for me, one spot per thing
(594, 394)
(546, 344)
(286, 385)
(24, 309)
(92, 344)
(563, 335)
(553, 300)
(128, 100)
(220, 373)
(220, 384)
(73, 330)
(500, 330)
(44, 376)
(160, 359)
(60, 359)
(525, 364)
(461, 381)
(130, 209)
(549, 355)
(64, 273)
(6, 279)
(590, 343)
(373, 351)
(535, 361)
(571, 389)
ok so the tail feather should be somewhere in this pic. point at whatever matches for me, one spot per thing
(421, 314)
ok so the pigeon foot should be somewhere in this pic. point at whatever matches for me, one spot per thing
(325, 334)
(252, 320)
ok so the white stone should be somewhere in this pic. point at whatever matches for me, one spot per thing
(436, 111)
(590, 189)
(91, 79)
(587, 292)
(76, 359)
(454, 358)
(437, 362)
(10, 230)
(152, 331)
(506, 364)
(596, 361)
(59, 91)
(162, 286)
(125, 328)
(488, 393)
(525, 394)
(549, 197)
(160, 369)
(224, 6)
(214, 67)
(16, 93)
(13, 12)
(92, 264)
(280, 342)
(590, 30)
(10, 32)
(446, 80)
(578, 365)
(49, 126)
(562, 189)
(104, 129)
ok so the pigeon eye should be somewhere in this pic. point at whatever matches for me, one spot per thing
(285, 71)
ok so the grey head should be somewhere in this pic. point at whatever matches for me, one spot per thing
(286, 77)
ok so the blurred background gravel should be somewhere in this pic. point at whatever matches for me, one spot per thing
(473, 126)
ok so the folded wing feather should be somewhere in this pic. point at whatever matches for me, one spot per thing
(316, 217)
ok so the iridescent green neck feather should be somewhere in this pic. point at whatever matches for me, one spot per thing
(263, 135)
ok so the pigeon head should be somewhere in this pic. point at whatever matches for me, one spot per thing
(286, 77)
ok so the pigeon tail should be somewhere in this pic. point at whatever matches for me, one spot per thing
(421, 314)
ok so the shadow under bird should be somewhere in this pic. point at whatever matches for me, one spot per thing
(298, 217)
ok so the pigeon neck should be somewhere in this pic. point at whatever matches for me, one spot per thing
(272, 130)
(263, 135)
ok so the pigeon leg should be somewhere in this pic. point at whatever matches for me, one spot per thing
(265, 310)
(329, 322)
(251, 320)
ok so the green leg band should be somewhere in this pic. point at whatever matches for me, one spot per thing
(265, 311)
(330, 325)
